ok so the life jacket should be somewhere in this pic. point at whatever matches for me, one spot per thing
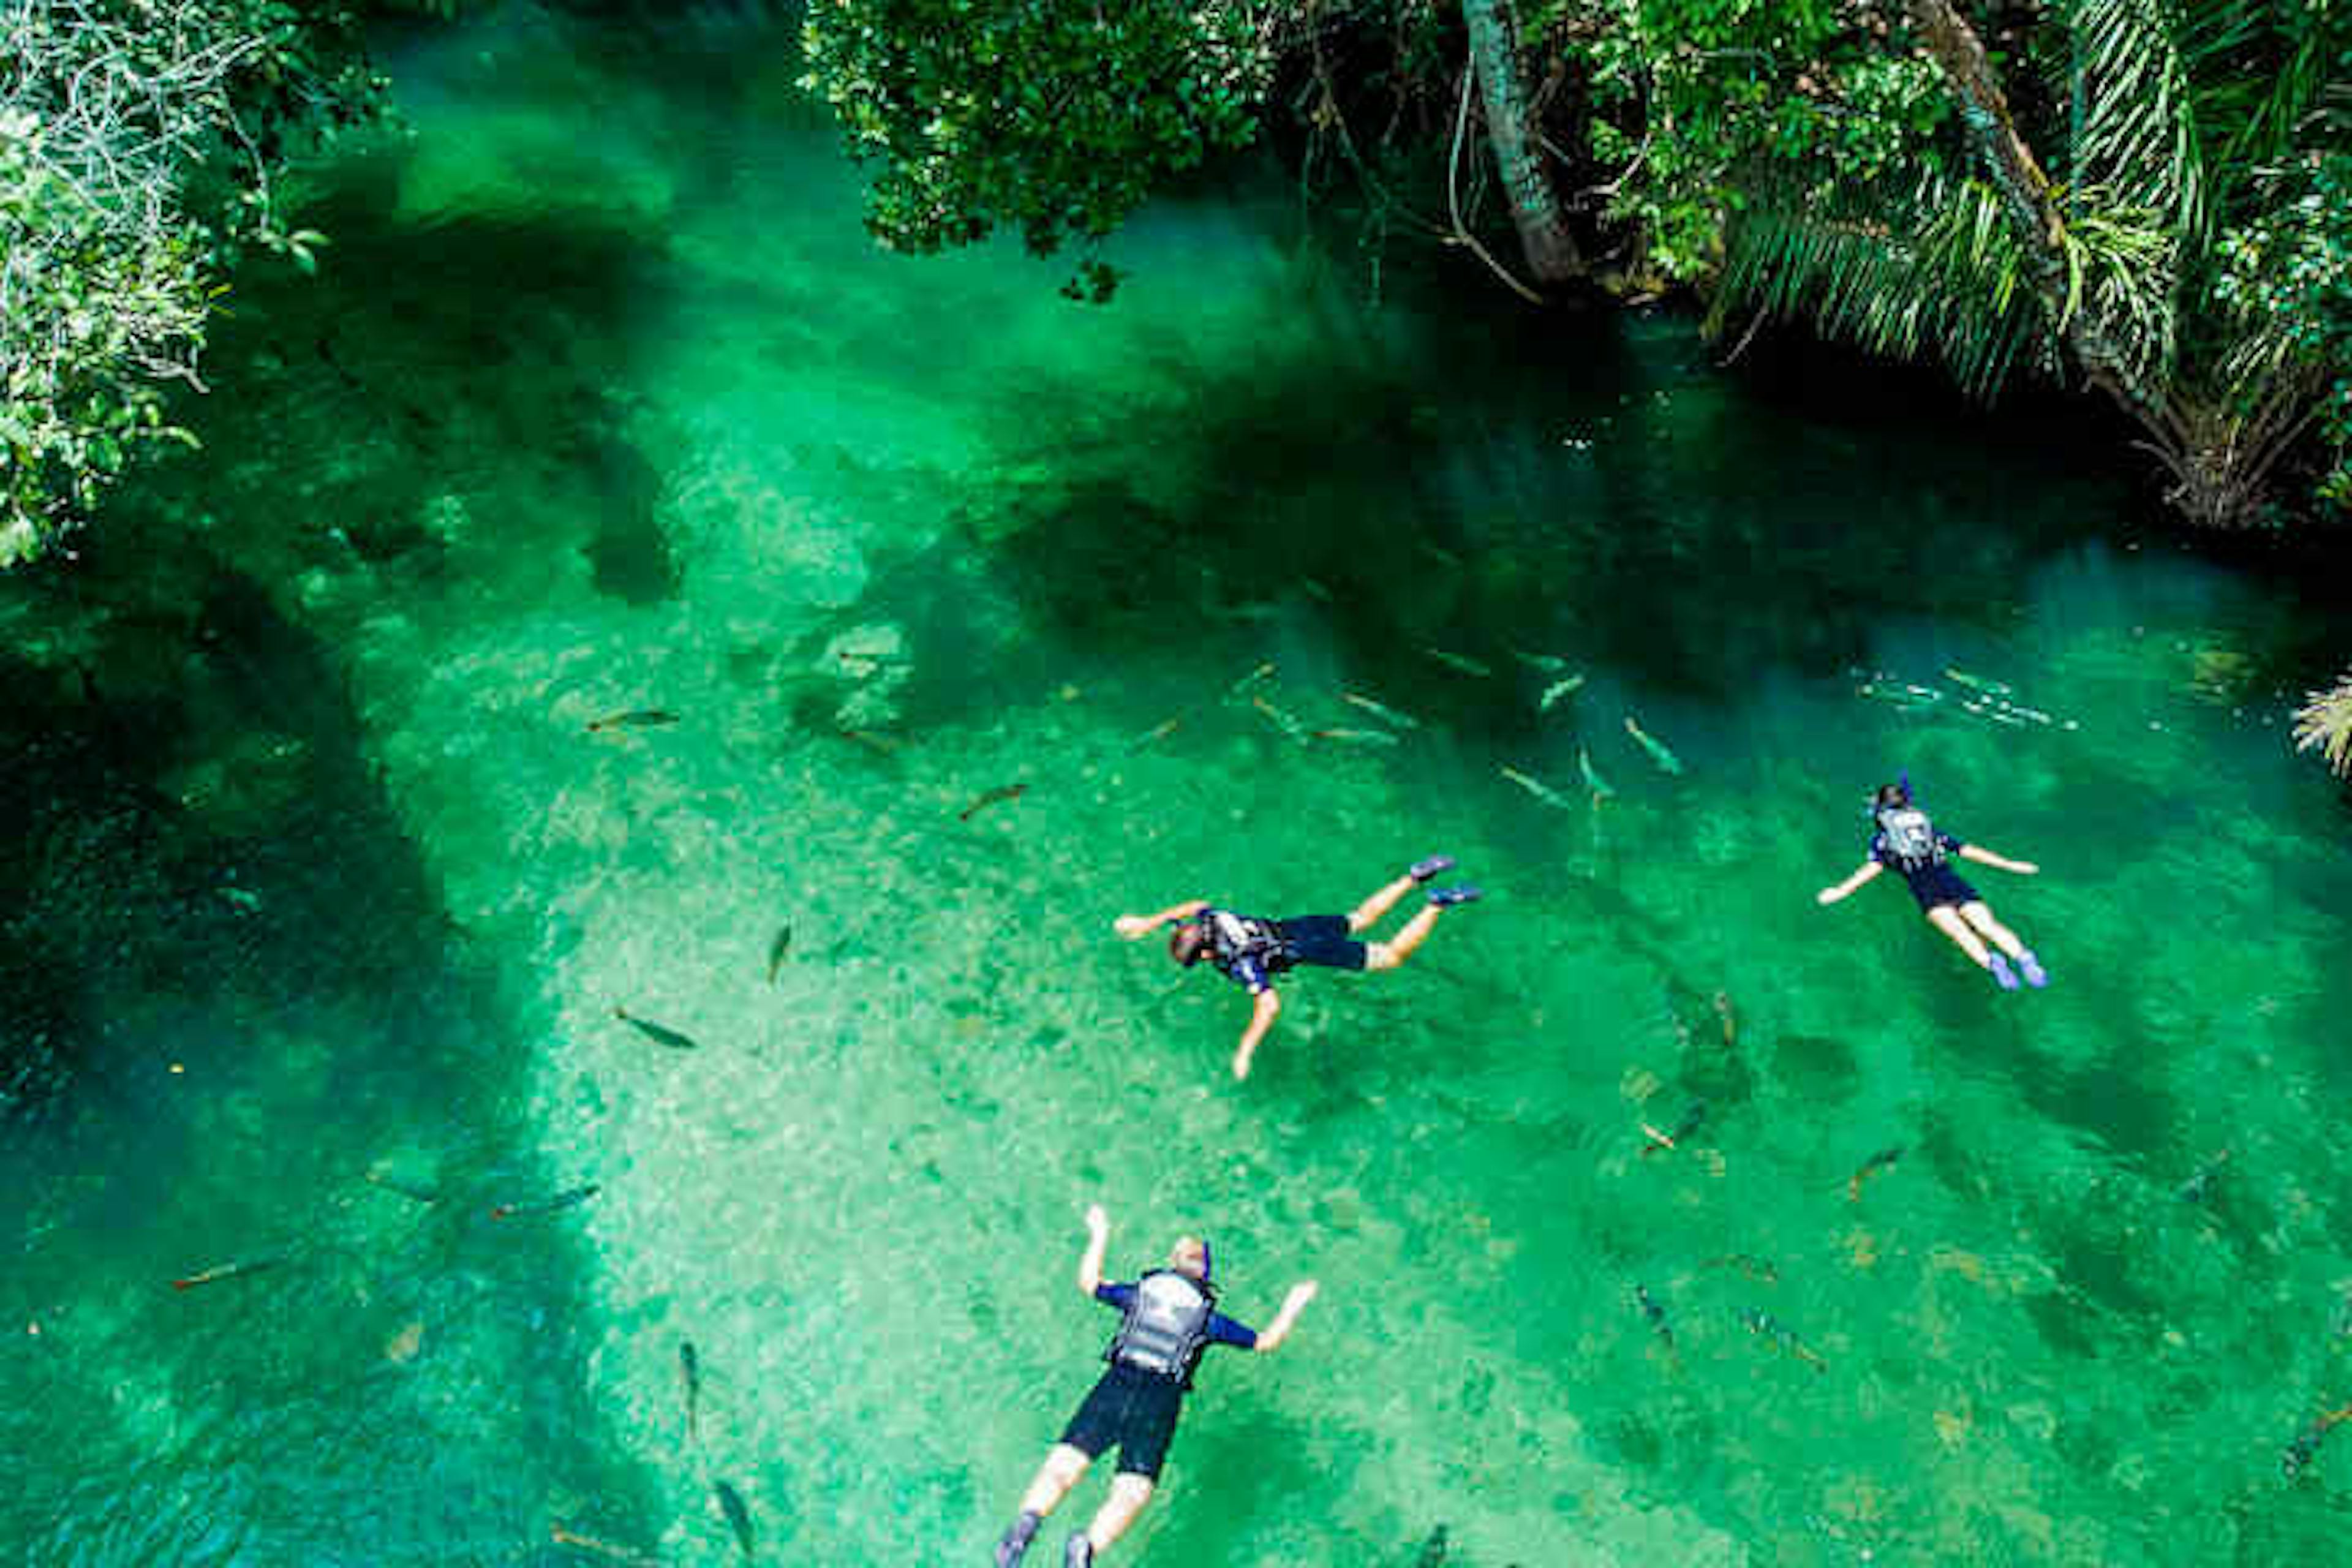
(1232, 938)
(1166, 1326)
(1911, 839)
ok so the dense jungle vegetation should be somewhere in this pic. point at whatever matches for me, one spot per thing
(2146, 201)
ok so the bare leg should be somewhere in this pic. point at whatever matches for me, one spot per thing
(1368, 912)
(1128, 1493)
(1980, 915)
(1946, 919)
(1059, 1473)
(1397, 949)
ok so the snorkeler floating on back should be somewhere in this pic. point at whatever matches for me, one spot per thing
(1907, 840)
(1250, 952)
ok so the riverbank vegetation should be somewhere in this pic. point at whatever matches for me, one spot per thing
(141, 145)
(2149, 201)
(2324, 724)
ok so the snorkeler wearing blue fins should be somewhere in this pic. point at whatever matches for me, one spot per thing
(1903, 839)
(1250, 950)
(1168, 1319)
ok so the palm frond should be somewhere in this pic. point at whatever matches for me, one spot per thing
(2324, 724)
(1931, 271)
(2140, 136)
(2123, 262)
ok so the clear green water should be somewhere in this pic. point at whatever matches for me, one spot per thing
(618, 409)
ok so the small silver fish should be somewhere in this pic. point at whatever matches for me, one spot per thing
(1381, 711)
(1567, 686)
(1592, 779)
(778, 948)
(1667, 761)
(1282, 719)
(1537, 788)
(1960, 677)
(1462, 662)
(1262, 672)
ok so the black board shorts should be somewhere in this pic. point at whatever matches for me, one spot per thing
(1137, 1411)
(1323, 940)
(1940, 886)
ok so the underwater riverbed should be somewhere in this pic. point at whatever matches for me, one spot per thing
(604, 405)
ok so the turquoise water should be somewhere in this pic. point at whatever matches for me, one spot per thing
(606, 404)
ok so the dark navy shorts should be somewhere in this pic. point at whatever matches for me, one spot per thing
(1134, 1410)
(1322, 939)
(1939, 886)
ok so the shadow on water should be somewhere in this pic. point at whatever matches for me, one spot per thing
(1686, 529)
(441, 400)
(202, 871)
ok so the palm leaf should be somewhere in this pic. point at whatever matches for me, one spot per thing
(2140, 136)
(2324, 724)
(1927, 271)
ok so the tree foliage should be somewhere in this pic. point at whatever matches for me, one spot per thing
(1053, 120)
(2147, 194)
(139, 140)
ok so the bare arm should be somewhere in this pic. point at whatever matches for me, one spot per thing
(1997, 862)
(1274, 1333)
(1097, 1242)
(1263, 1009)
(1832, 895)
(1137, 927)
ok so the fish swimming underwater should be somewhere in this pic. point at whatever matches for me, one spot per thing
(1568, 685)
(634, 719)
(1592, 779)
(689, 1377)
(778, 948)
(1772, 1331)
(1655, 1315)
(1461, 662)
(1667, 761)
(658, 1034)
(1537, 788)
(739, 1517)
(1870, 1167)
(1381, 711)
(221, 1271)
(570, 1197)
(1692, 1119)
(989, 797)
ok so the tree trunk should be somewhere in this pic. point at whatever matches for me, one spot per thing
(1550, 250)
(2034, 220)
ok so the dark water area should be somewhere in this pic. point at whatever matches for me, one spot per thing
(328, 879)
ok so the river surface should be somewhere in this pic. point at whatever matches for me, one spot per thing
(604, 402)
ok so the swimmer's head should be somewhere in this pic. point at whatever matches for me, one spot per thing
(1186, 944)
(1892, 795)
(1189, 1256)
